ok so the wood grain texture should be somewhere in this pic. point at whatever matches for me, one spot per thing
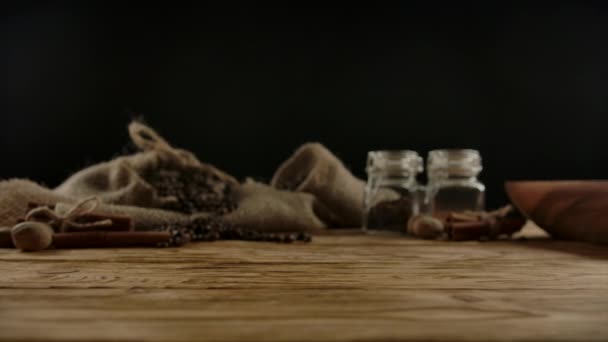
(339, 288)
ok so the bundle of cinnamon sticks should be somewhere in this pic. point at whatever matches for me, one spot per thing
(467, 225)
(80, 227)
(470, 225)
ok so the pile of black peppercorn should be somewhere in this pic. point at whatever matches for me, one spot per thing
(390, 215)
(195, 190)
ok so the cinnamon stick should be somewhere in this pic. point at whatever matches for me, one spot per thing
(461, 231)
(473, 230)
(463, 217)
(97, 239)
(119, 223)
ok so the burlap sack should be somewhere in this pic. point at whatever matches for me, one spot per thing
(263, 208)
(15, 194)
(315, 170)
(260, 208)
(121, 187)
(121, 181)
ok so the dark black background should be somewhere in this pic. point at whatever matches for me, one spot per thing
(244, 86)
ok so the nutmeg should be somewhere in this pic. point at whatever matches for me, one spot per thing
(425, 227)
(32, 236)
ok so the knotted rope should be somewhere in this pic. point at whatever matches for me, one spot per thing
(69, 219)
(148, 139)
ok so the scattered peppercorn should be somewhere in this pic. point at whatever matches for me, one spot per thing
(212, 229)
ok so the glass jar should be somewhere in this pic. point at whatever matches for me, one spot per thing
(452, 182)
(392, 194)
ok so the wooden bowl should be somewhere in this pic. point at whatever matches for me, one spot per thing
(573, 210)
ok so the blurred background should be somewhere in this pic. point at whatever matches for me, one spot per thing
(244, 86)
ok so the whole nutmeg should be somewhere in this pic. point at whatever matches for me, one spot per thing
(32, 236)
(425, 227)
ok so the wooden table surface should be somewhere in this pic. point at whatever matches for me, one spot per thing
(338, 288)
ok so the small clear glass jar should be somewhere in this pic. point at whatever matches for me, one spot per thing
(392, 193)
(452, 182)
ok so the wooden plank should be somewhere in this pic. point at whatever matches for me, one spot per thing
(339, 288)
(291, 315)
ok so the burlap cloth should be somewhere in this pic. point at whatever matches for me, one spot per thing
(264, 207)
(310, 191)
(315, 170)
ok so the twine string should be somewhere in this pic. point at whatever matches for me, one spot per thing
(69, 219)
(148, 139)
